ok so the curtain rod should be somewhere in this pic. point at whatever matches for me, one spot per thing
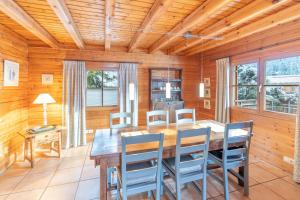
(104, 61)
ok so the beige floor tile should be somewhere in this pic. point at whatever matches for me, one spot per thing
(259, 174)
(60, 192)
(34, 181)
(71, 162)
(284, 189)
(18, 169)
(66, 176)
(28, 195)
(272, 169)
(90, 172)
(46, 165)
(89, 189)
(289, 179)
(3, 197)
(74, 152)
(8, 184)
(88, 161)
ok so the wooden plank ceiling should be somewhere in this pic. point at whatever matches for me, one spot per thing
(143, 25)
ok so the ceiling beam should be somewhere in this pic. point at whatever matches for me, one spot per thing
(198, 17)
(62, 12)
(243, 15)
(107, 31)
(157, 9)
(286, 15)
(14, 11)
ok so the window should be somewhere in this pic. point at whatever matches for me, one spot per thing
(245, 85)
(102, 88)
(282, 76)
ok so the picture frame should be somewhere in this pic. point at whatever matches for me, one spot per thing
(207, 104)
(11, 73)
(207, 93)
(207, 82)
(47, 79)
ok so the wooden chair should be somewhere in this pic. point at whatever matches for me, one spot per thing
(180, 112)
(233, 157)
(121, 124)
(137, 173)
(160, 117)
(185, 168)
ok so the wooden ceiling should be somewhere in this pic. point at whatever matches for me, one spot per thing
(143, 25)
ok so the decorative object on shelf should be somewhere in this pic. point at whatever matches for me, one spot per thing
(44, 98)
(207, 104)
(11, 73)
(207, 82)
(207, 93)
(47, 79)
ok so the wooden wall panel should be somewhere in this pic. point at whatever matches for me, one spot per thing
(13, 100)
(46, 60)
(274, 135)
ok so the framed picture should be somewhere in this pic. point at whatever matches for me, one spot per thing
(11, 73)
(47, 79)
(207, 104)
(207, 93)
(207, 82)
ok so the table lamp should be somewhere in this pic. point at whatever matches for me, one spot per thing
(44, 98)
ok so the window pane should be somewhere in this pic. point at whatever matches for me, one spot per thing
(246, 97)
(110, 88)
(247, 74)
(283, 71)
(281, 99)
(94, 88)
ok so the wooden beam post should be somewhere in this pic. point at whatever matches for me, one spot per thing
(157, 9)
(286, 15)
(249, 12)
(62, 12)
(198, 17)
(108, 15)
(14, 11)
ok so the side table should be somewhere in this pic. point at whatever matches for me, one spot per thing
(47, 137)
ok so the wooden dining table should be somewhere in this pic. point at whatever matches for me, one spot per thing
(106, 148)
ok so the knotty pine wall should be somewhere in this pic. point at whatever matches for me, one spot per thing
(13, 100)
(47, 60)
(274, 134)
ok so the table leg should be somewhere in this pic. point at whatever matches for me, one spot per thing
(103, 180)
(32, 152)
(241, 173)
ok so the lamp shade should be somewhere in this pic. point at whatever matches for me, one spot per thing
(44, 98)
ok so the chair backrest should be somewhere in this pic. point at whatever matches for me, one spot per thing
(160, 117)
(194, 147)
(180, 112)
(154, 154)
(232, 134)
(122, 116)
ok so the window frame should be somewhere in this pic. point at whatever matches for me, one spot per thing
(96, 68)
(234, 84)
(239, 60)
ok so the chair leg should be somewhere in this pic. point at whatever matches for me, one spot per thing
(178, 189)
(204, 188)
(246, 179)
(226, 188)
(118, 190)
(162, 182)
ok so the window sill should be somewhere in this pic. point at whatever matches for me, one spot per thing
(97, 108)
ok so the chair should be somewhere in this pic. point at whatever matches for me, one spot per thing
(180, 112)
(122, 124)
(185, 168)
(160, 117)
(231, 157)
(137, 174)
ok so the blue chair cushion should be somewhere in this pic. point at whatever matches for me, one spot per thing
(140, 179)
(170, 164)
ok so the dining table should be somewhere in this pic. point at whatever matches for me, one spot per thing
(106, 147)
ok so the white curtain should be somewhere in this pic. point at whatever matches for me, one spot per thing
(297, 145)
(74, 99)
(127, 75)
(222, 113)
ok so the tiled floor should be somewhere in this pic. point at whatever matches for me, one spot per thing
(74, 177)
